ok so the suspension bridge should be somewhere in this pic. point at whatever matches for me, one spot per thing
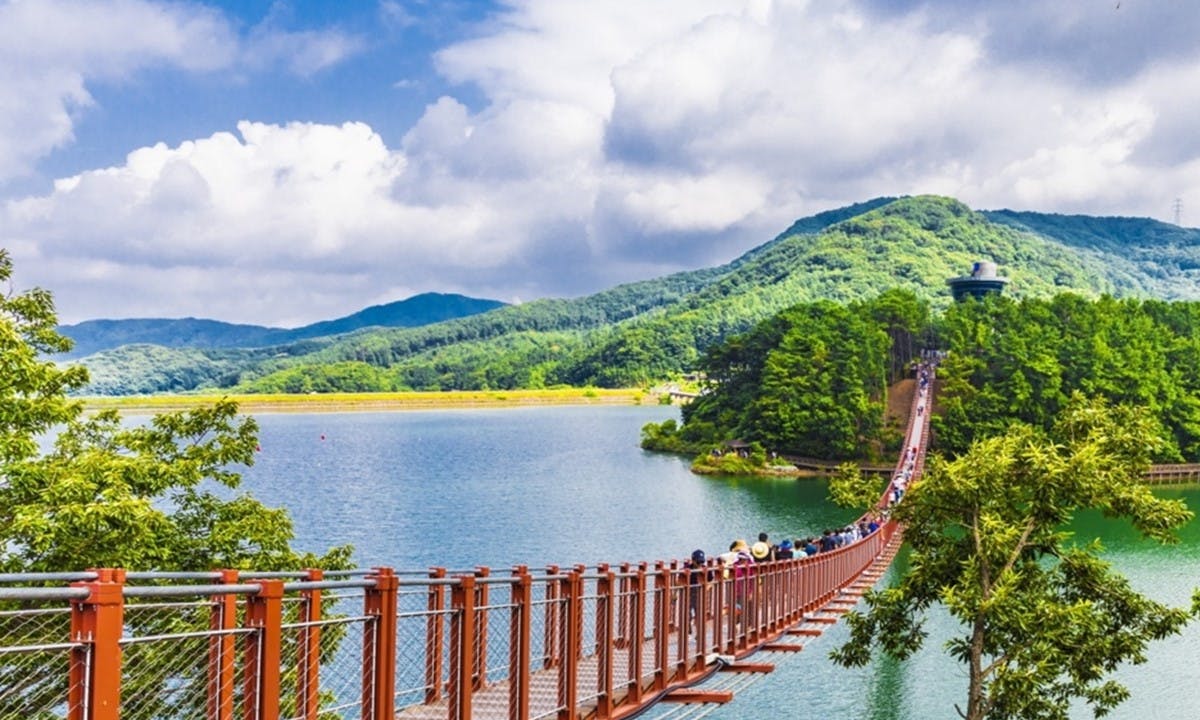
(598, 642)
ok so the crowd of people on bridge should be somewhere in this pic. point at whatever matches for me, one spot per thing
(741, 554)
(739, 561)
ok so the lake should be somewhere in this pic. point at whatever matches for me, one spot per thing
(566, 485)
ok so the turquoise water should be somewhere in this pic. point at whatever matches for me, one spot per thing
(567, 485)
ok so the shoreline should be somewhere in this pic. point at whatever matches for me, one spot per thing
(377, 402)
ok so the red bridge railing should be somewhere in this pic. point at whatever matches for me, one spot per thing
(597, 642)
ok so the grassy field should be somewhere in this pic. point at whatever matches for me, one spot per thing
(348, 402)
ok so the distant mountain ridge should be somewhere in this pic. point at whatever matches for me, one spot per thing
(651, 330)
(93, 336)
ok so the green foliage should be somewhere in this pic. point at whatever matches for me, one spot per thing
(155, 496)
(724, 461)
(1016, 361)
(652, 330)
(809, 381)
(161, 495)
(1045, 621)
(851, 488)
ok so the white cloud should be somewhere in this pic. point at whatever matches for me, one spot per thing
(608, 141)
(50, 50)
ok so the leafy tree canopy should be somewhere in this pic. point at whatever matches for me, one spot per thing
(1045, 620)
(160, 495)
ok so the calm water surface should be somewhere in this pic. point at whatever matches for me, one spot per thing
(565, 485)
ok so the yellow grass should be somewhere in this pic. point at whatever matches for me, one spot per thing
(348, 402)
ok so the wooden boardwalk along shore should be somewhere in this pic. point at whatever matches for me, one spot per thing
(1173, 474)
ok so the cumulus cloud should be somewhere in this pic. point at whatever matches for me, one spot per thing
(52, 50)
(49, 51)
(610, 141)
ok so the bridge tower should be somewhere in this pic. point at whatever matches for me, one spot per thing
(982, 280)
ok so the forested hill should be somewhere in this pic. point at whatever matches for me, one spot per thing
(648, 331)
(93, 336)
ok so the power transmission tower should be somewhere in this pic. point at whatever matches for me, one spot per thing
(1178, 211)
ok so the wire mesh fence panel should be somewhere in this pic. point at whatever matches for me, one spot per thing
(548, 635)
(587, 682)
(422, 646)
(171, 662)
(321, 657)
(35, 662)
(625, 657)
(493, 645)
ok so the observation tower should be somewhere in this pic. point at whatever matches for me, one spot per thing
(982, 280)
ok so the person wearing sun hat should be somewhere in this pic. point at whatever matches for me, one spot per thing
(743, 568)
(760, 551)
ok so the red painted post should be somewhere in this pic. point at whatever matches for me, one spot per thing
(638, 634)
(572, 646)
(777, 606)
(580, 570)
(605, 647)
(308, 659)
(520, 644)
(682, 617)
(97, 621)
(222, 655)
(624, 611)
(553, 626)
(662, 625)
(379, 646)
(435, 636)
(264, 615)
(462, 649)
(479, 672)
(720, 607)
(703, 609)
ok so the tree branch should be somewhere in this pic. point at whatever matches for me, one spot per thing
(1021, 545)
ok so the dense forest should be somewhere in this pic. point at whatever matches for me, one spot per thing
(811, 380)
(1023, 360)
(653, 330)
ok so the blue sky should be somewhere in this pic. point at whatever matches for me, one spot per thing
(286, 162)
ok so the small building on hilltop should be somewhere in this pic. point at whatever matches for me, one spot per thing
(982, 280)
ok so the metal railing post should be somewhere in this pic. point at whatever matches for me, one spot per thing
(637, 633)
(700, 631)
(97, 621)
(479, 672)
(605, 647)
(222, 655)
(551, 640)
(572, 646)
(520, 644)
(379, 646)
(681, 618)
(308, 658)
(624, 612)
(462, 647)
(662, 624)
(264, 615)
(435, 637)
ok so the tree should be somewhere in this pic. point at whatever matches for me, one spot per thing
(107, 493)
(1046, 620)
(159, 496)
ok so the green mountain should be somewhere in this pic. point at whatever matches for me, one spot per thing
(93, 336)
(650, 330)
